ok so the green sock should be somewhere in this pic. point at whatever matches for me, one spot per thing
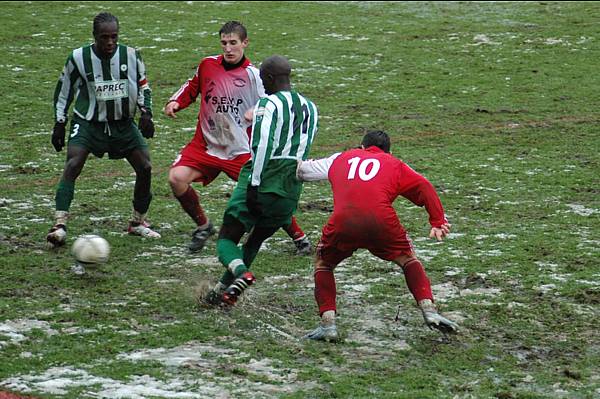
(230, 255)
(64, 195)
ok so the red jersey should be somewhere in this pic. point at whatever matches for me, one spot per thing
(365, 184)
(225, 95)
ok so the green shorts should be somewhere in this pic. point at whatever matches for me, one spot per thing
(116, 138)
(277, 210)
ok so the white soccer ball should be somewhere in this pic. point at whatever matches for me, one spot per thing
(91, 248)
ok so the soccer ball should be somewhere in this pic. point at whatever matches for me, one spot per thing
(91, 249)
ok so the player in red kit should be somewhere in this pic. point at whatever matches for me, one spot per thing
(228, 86)
(365, 183)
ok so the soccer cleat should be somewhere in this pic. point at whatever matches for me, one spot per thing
(199, 237)
(323, 333)
(233, 292)
(213, 298)
(57, 236)
(434, 320)
(78, 269)
(142, 229)
(303, 246)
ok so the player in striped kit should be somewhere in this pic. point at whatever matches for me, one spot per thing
(267, 193)
(355, 175)
(107, 82)
(228, 86)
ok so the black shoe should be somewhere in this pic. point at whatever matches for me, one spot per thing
(199, 237)
(233, 292)
(303, 246)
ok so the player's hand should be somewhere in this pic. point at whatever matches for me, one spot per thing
(252, 203)
(171, 108)
(248, 115)
(58, 135)
(146, 125)
(440, 232)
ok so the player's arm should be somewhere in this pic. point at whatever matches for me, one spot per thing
(64, 91)
(261, 144)
(315, 169)
(421, 192)
(63, 97)
(144, 99)
(185, 96)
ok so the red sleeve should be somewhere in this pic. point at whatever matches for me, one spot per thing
(421, 192)
(189, 91)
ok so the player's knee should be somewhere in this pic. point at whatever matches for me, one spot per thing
(404, 260)
(73, 167)
(322, 266)
(143, 169)
(176, 179)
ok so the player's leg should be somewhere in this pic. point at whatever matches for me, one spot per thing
(190, 167)
(236, 277)
(328, 256)
(325, 296)
(420, 287)
(139, 159)
(76, 157)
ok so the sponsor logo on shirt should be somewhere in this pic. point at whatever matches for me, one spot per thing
(239, 82)
(111, 89)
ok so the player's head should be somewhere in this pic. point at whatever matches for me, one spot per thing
(275, 74)
(106, 33)
(377, 138)
(234, 40)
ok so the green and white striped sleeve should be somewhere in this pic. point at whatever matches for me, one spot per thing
(65, 89)
(144, 92)
(263, 133)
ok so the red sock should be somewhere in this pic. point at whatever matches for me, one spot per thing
(325, 290)
(417, 280)
(191, 205)
(294, 230)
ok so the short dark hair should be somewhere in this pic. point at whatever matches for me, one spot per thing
(377, 138)
(234, 27)
(102, 18)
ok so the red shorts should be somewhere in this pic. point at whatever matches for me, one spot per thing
(385, 239)
(194, 155)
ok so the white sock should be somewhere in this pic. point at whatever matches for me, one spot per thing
(328, 318)
(61, 217)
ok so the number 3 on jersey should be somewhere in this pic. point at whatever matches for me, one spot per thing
(75, 130)
(363, 165)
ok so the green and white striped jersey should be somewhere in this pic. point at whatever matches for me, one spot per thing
(284, 126)
(103, 89)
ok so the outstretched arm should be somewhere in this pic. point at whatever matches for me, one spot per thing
(421, 192)
(315, 169)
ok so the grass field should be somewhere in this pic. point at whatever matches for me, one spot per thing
(496, 103)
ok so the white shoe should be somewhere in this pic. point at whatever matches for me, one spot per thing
(322, 333)
(434, 320)
(142, 229)
(57, 236)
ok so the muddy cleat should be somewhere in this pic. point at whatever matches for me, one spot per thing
(323, 333)
(213, 298)
(57, 236)
(434, 320)
(142, 229)
(78, 269)
(303, 246)
(233, 292)
(199, 237)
